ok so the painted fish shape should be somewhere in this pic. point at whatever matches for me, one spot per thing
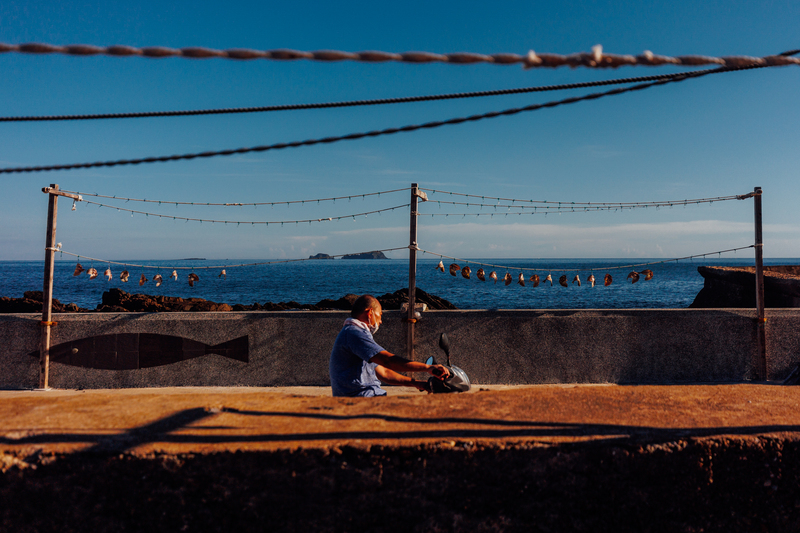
(109, 276)
(440, 266)
(142, 280)
(550, 279)
(493, 275)
(590, 279)
(647, 273)
(577, 279)
(507, 279)
(634, 277)
(535, 280)
(466, 271)
(158, 279)
(124, 276)
(223, 274)
(192, 278)
(481, 274)
(454, 268)
(131, 351)
(92, 273)
(78, 270)
(607, 280)
(174, 275)
(563, 281)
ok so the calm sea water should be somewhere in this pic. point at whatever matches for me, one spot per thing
(674, 285)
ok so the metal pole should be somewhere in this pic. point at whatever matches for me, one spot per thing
(47, 292)
(412, 273)
(761, 319)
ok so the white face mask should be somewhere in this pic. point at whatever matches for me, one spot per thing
(373, 328)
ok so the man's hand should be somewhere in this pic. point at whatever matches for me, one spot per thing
(439, 371)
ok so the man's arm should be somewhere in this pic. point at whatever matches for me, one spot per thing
(397, 364)
(390, 377)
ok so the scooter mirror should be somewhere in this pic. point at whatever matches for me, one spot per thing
(444, 343)
(430, 361)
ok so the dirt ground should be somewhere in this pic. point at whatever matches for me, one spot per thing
(537, 458)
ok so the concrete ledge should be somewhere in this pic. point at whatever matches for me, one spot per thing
(492, 346)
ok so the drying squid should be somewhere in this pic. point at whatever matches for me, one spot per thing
(108, 274)
(493, 275)
(647, 273)
(507, 279)
(123, 277)
(550, 279)
(78, 269)
(142, 280)
(563, 281)
(634, 277)
(466, 271)
(521, 279)
(223, 274)
(158, 279)
(481, 274)
(192, 278)
(92, 273)
(535, 280)
(577, 279)
(440, 266)
(454, 268)
(607, 280)
(590, 279)
(174, 275)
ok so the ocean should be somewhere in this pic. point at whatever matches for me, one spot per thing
(674, 284)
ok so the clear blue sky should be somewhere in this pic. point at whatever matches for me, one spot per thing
(716, 136)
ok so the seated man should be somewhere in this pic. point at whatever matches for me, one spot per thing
(358, 364)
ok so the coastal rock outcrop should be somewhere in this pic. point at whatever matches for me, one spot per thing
(31, 302)
(366, 255)
(736, 287)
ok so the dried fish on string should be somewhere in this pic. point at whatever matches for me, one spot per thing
(521, 279)
(466, 271)
(124, 276)
(92, 273)
(454, 268)
(607, 280)
(192, 278)
(142, 280)
(550, 279)
(174, 275)
(493, 275)
(78, 269)
(590, 279)
(577, 279)
(481, 275)
(507, 279)
(157, 278)
(223, 274)
(634, 277)
(108, 274)
(563, 281)
(440, 266)
(535, 280)
(647, 273)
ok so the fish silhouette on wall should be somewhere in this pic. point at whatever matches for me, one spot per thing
(132, 351)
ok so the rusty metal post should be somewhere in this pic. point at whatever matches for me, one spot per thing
(761, 318)
(412, 274)
(47, 292)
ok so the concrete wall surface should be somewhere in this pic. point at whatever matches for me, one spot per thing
(291, 348)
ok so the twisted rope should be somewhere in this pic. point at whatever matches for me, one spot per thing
(388, 131)
(594, 59)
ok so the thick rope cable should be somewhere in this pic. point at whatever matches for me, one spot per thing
(353, 103)
(252, 223)
(584, 269)
(594, 59)
(195, 267)
(240, 204)
(376, 133)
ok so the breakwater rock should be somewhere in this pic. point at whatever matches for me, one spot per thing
(736, 287)
(119, 301)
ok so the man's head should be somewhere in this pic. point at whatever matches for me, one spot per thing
(367, 309)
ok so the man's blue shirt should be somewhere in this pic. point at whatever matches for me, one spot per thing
(351, 372)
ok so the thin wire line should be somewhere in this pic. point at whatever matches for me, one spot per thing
(351, 103)
(377, 133)
(133, 265)
(593, 268)
(659, 203)
(238, 204)
(252, 223)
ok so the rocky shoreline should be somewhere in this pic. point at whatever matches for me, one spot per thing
(119, 301)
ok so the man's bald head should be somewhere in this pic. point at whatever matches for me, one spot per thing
(363, 303)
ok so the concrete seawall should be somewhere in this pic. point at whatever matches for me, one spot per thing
(493, 346)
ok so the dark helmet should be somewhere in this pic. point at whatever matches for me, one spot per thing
(456, 382)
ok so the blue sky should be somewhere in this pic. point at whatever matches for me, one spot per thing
(716, 136)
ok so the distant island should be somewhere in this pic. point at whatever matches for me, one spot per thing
(194, 259)
(320, 256)
(366, 255)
